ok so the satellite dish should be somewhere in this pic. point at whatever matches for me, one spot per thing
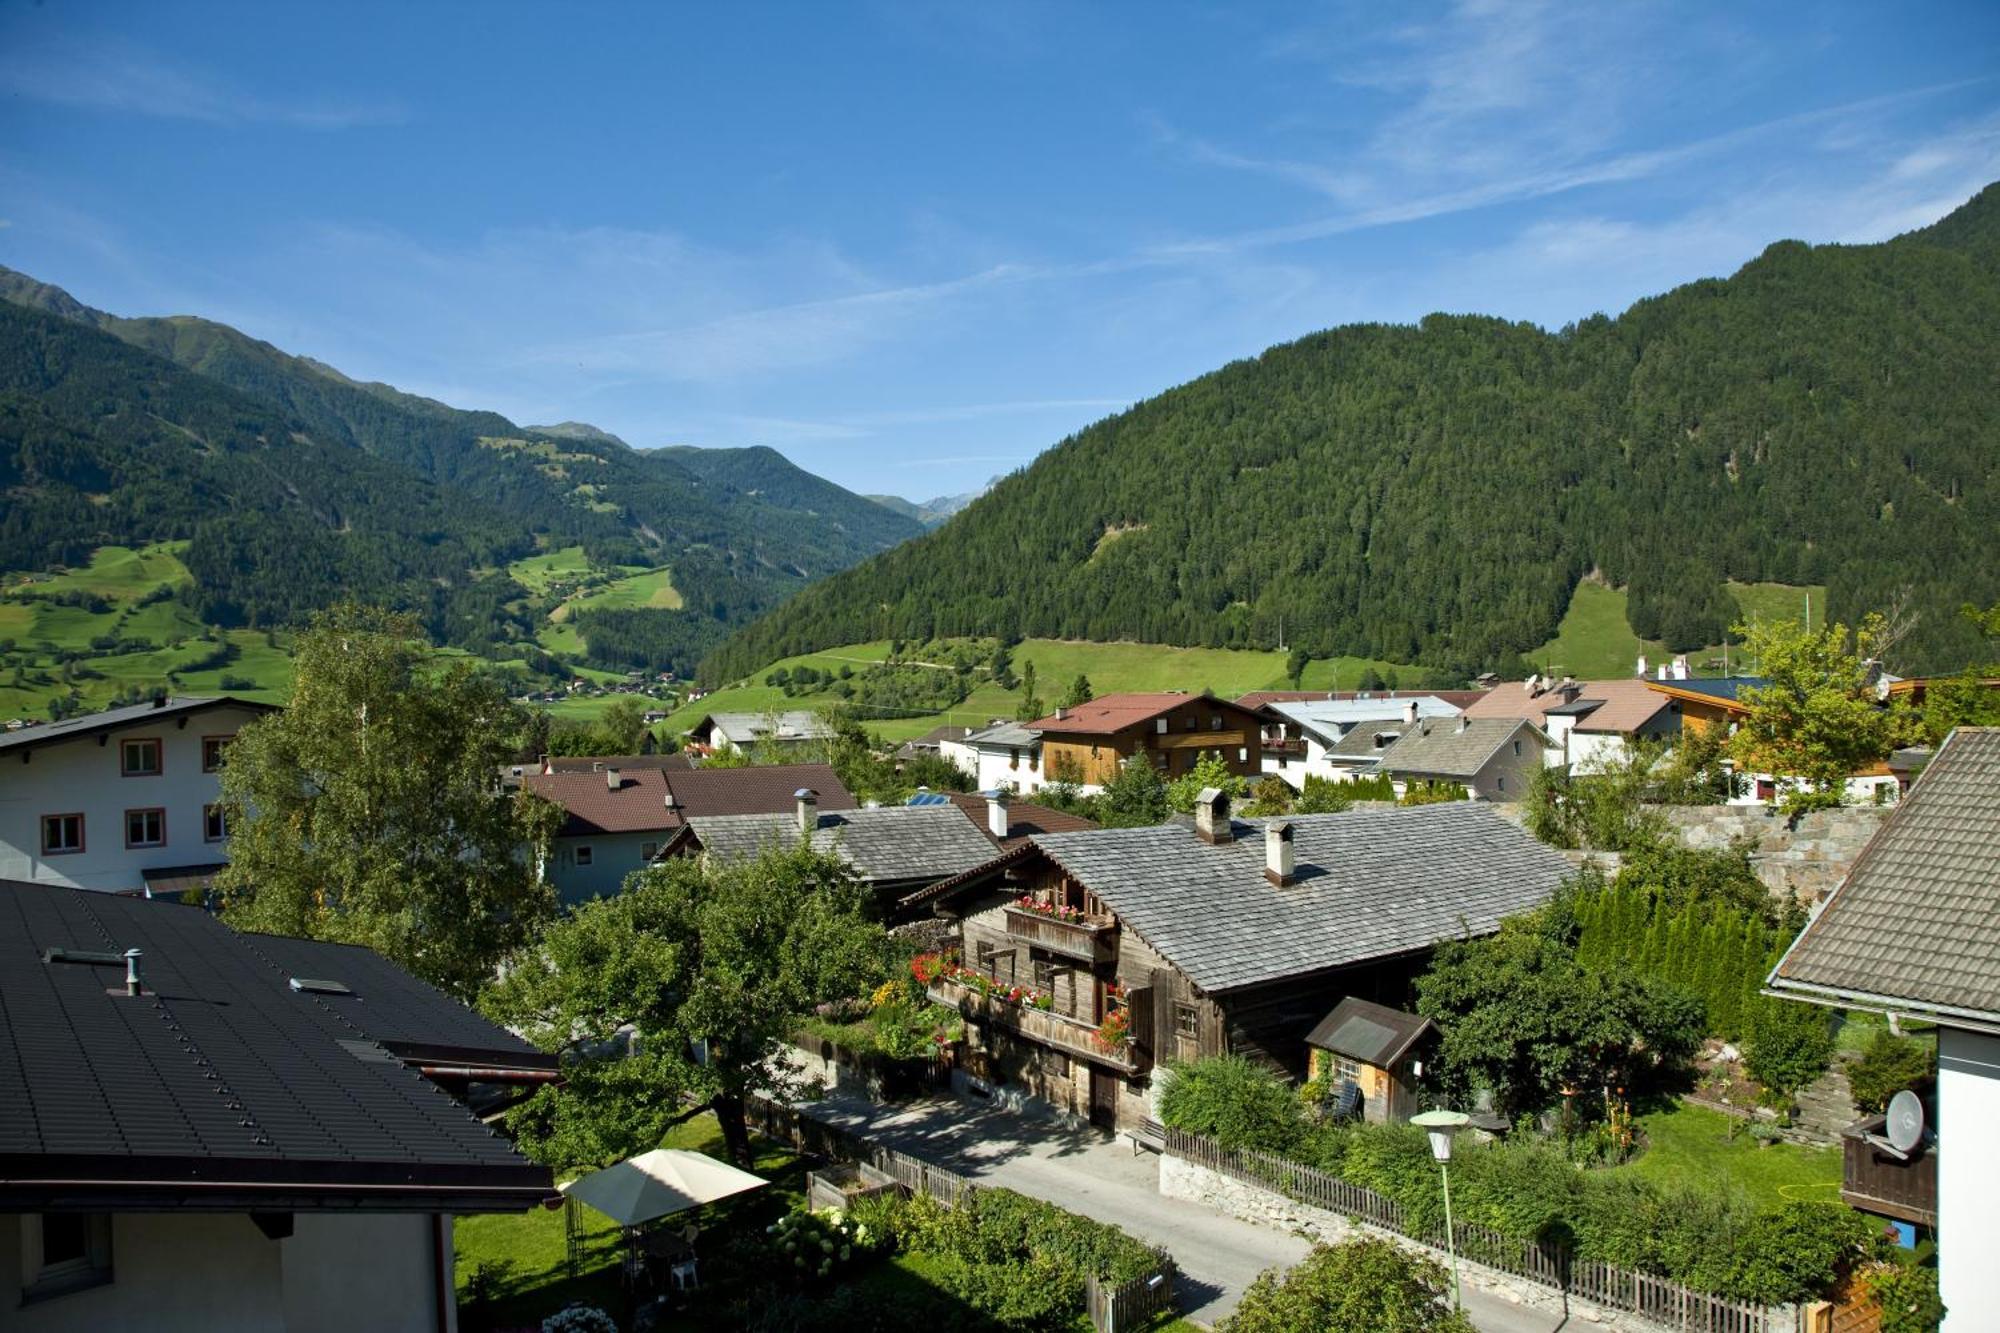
(1906, 1120)
(1904, 1126)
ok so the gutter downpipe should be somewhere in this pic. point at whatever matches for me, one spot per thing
(441, 1275)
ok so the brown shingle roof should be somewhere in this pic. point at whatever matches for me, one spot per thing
(590, 763)
(1024, 818)
(638, 804)
(1115, 712)
(1917, 920)
(1627, 704)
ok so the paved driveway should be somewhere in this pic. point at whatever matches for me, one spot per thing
(1088, 1172)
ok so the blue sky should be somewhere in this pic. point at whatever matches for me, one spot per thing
(912, 245)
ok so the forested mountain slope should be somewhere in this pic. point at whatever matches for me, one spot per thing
(736, 545)
(1434, 493)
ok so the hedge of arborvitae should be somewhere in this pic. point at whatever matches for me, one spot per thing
(1433, 494)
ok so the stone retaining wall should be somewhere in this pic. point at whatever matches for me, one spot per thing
(1805, 858)
(1183, 1179)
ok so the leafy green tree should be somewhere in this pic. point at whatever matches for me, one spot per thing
(1079, 692)
(1818, 720)
(1520, 1015)
(1295, 665)
(1362, 1286)
(1269, 797)
(368, 812)
(1889, 1065)
(1790, 1044)
(1796, 1251)
(623, 726)
(1135, 798)
(1031, 702)
(1322, 796)
(678, 996)
(1209, 770)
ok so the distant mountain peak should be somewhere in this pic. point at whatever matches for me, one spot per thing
(578, 430)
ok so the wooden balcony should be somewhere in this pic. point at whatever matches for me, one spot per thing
(1072, 1036)
(1875, 1182)
(1089, 941)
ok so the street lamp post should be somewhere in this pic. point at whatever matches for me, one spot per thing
(1440, 1125)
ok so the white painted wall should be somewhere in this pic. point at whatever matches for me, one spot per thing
(961, 757)
(1000, 767)
(81, 776)
(1968, 1179)
(201, 1272)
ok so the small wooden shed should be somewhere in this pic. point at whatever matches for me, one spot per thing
(1376, 1052)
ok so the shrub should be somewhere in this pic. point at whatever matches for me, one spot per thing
(579, 1319)
(1790, 1044)
(1234, 1102)
(1795, 1252)
(1908, 1296)
(1364, 1286)
(1890, 1064)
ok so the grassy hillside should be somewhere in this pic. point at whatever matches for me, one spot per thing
(1596, 638)
(1435, 493)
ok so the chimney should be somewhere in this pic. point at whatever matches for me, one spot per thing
(611, 779)
(1410, 713)
(1662, 669)
(1680, 667)
(132, 986)
(1641, 672)
(1278, 852)
(547, 767)
(1211, 816)
(1062, 713)
(1463, 723)
(996, 814)
(808, 807)
(670, 802)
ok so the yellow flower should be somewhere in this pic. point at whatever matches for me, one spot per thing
(887, 993)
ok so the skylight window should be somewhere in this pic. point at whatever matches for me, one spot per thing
(314, 986)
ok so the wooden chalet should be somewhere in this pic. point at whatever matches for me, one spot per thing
(1086, 959)
(1172, 730)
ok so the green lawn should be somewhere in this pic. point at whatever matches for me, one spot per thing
(1693, 1146)
(1596, 642)
(652, 589)
(538, 572)
(117, 572)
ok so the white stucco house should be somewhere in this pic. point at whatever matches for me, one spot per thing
(121, 800)
(1914, 932)
(273, 1139)
(1005, 756)
(788, 730)
(1588, 722)
(1338, 739)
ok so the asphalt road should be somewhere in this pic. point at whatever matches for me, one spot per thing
(1088, 1172)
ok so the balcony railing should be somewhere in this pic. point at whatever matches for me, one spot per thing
(1073, 1036)
(1091, 941)
(1875, 1182)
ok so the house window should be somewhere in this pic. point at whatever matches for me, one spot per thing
(1345, 1068)
(1215, 722)
(1045, 974)
(214, 823)
(62, 834)
(146, 828)
(583, 854)
(1013, 758)
(1503, 782)
(1517, 747)
(1187, 1020)
(70, 1251)
(211, 753)
(648, 850)
(139, 758)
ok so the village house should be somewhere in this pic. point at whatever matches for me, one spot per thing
(1087, 743)
(618, 820)
(726, 732)
(1493, 758)
(1588, 722)
(217, 1130)
(894, 850)
(1003, 755)
(1914, 932)
(1311, 738)
(1087, 959)
(123, 799)
(933, 742)
(1718, 704)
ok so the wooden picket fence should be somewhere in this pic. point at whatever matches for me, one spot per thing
(1121, 1308)
(1653, 1297)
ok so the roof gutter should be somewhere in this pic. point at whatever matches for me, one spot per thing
(1973, 1020)
(491, 1073)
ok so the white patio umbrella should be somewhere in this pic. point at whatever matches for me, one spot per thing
(658, 1183)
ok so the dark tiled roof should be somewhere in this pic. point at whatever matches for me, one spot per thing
(112, 719)
(1370, 883)
(1374, 1034)
(1917, 920)
(895, 844)
(1024, 818)
(1457, 748)
(638, 804)
(587, 763)
(222, 1081)
(166, 881)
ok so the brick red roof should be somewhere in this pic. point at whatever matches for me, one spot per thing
(638, 803)
(1115, 712)
(1024, 819)
(1628, 703)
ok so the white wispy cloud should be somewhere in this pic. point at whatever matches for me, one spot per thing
(115, 77)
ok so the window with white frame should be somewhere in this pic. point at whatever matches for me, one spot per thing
(583, 854)
(64, 1252)
(62, 834)
(146, 828)
(139, 758)
(214, 823)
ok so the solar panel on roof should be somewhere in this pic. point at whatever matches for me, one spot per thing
(928, 798)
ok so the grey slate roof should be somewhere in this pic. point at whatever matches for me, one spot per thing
(1006, 736)
(1359, 742)
(1370, 883)
(1457, 747)
(1917, 920)
(222, 1082)
(748, 729)
(113, 719)
(1372, 1033)
(891, 844)
(1330, 718)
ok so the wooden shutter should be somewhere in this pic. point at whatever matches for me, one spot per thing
(1139, 999)
(1164, 1048)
